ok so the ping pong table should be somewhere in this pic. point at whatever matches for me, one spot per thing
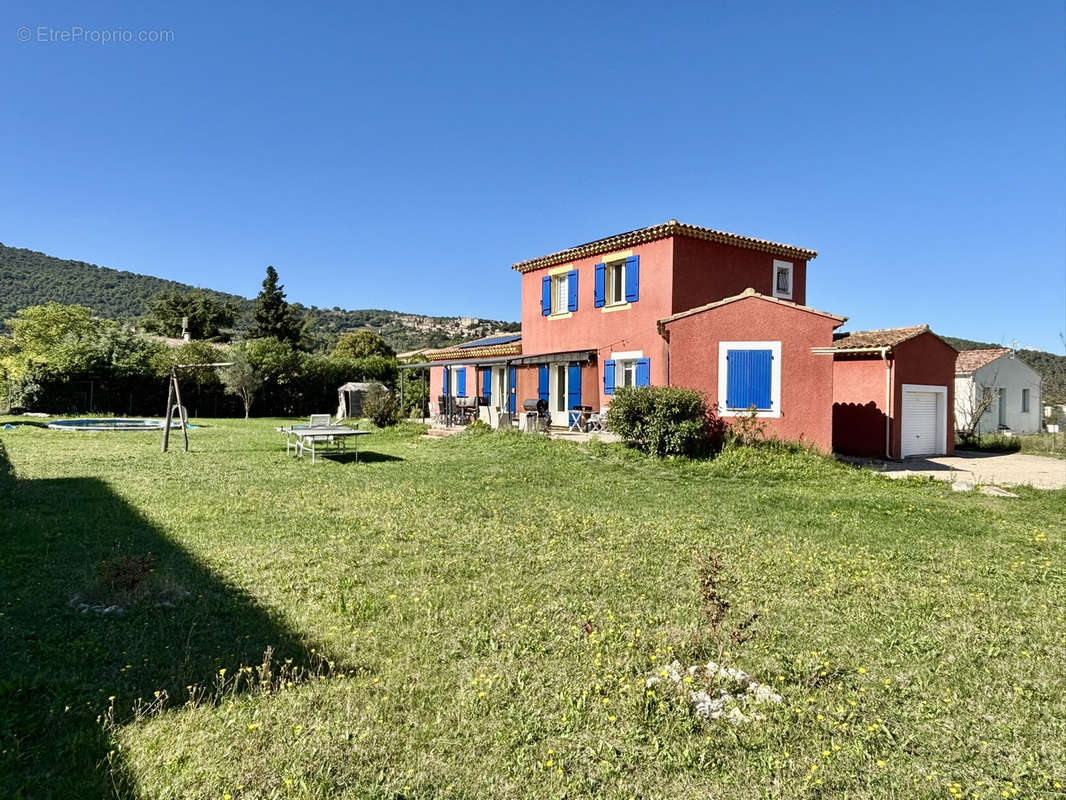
(305, 437)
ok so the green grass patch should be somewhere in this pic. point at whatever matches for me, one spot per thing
(477, 616)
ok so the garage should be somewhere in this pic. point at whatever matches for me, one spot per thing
(893, 393)
(924, 421)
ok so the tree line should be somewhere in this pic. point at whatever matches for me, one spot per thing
(63, 359)
(30, 278)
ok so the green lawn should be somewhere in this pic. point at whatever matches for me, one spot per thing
(476, 618)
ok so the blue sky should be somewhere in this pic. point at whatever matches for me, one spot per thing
(403, 156)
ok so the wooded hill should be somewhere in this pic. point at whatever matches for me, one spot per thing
(29, 278)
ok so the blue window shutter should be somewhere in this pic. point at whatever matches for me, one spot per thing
(447, 384)
(608, 376)
(460, 382)
(546, 295)
(632, 279)
(512, 389)
(571, 290)
(749, 379)
(486, 383)
(542, 383)
(600, 295)
(573, 389)
(643, 376)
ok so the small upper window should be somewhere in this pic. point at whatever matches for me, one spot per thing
(783, 279)
(559, 293)
(616, 282)
(1025, 400)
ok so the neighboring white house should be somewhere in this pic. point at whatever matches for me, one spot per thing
(1007, 387)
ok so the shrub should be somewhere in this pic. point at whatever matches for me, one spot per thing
(665, 421)
(380, 406)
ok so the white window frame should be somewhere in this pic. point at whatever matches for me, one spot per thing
(620, 361)
(609, 267)
(786, 265)
(775, 378)
(560, 295)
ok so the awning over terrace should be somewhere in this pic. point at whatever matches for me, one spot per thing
(580, 356)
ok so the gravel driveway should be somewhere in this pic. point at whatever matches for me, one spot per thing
(1000, 469)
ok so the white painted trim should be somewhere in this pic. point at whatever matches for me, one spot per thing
(778, 264)
(941, 414)
(626, 355)
(775, 377)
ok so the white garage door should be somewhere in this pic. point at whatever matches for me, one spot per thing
(920, 418)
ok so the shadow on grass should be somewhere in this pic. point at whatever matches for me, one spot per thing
(364, 457)
(61, 662)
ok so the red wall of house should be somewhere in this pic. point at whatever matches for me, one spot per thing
(591, 328)
(859, 397)
(927, 360)
(806, 378)
(708, 271)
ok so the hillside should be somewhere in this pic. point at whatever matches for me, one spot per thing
(1052, 368)
(28, 278)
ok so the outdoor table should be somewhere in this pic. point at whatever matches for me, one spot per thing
(304, 437)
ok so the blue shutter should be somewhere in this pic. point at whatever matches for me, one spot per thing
(573, 388)
(542, 382)
(571, 290)
(546, 295)
(486, 383)
(643, 376)
(447, 383)
(599, 298)
(512, 388)
(749, 377)
(632, 279)
(608, 376)
(460, 382)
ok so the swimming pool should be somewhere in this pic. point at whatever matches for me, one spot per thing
(111, 424)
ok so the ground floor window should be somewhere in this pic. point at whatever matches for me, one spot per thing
(749, 377)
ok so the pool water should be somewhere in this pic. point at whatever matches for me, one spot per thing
(111, 424)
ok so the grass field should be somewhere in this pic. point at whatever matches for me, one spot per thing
(476, 618)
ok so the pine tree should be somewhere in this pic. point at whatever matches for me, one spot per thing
(274, 317)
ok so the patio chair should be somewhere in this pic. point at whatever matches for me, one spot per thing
(596, 422)
(578, 418)
(319, 421)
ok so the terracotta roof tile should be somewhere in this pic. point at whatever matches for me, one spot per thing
(671, 228)
(973, 360)
(874, 340)
(471, 350)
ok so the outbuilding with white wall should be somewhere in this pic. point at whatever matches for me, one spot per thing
(996, 391)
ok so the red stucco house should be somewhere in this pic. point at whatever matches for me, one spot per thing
(671, 304)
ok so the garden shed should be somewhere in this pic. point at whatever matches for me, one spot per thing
(350, 399)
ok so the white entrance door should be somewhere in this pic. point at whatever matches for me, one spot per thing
(924, 424)
(558, 387)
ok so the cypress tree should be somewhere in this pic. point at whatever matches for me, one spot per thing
(274, 317)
